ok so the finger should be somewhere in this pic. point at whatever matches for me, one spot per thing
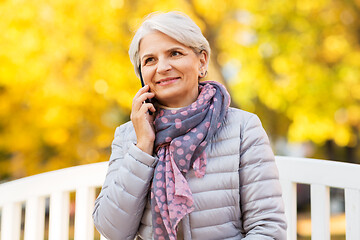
(144, 96)
(137, 102)
(139, 113)
(143, 109)
(146, 107)
(152, 108)
(142, 112)
(142, 90)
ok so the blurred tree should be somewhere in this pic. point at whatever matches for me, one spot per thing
(66, 81)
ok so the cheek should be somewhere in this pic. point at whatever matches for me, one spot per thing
(194, 68)
(147, 76)
(193, 72)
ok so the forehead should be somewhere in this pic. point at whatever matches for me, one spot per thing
(157, 41)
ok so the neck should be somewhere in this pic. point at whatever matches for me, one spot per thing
(181, 101)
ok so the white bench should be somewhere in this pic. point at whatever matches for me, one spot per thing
(321, 175)
(84, 179)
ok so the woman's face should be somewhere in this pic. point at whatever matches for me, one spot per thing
(171, 69)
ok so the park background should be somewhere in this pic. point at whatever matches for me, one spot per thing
(66, 81)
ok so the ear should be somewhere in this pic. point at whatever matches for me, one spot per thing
(203, 58)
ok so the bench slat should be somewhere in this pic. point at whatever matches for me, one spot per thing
(59, 216)
(11, 221)
(352, 213)
(289, 197)
(84, 205)
(320, 212)
(34, 218)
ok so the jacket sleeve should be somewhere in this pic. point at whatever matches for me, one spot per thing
(120, 204)
(260, 191)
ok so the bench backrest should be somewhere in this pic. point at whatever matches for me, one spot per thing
(83, 180)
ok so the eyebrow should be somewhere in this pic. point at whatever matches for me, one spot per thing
(169, 50)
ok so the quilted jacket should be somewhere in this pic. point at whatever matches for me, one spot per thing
(238, 198)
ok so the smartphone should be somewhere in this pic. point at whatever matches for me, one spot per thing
(142, 85)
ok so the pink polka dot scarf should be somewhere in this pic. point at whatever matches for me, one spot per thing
(181, 138)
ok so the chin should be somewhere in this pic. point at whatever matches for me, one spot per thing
(167, 94)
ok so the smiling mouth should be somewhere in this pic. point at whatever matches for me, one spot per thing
(167, 81)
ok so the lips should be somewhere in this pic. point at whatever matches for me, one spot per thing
(166, 81)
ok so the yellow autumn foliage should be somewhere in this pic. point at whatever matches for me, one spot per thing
(66, 81)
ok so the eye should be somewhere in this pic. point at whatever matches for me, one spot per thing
(150, 59)
(176, 53)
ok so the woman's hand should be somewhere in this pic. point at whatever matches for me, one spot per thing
(142, 120)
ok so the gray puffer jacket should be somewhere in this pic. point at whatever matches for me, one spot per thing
(238, 198)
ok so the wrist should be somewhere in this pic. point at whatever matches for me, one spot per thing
(146, 147)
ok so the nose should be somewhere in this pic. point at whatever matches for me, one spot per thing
(163, 66)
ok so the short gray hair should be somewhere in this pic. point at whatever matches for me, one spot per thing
(174, 24)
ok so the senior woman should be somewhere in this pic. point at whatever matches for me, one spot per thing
(195, 168)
